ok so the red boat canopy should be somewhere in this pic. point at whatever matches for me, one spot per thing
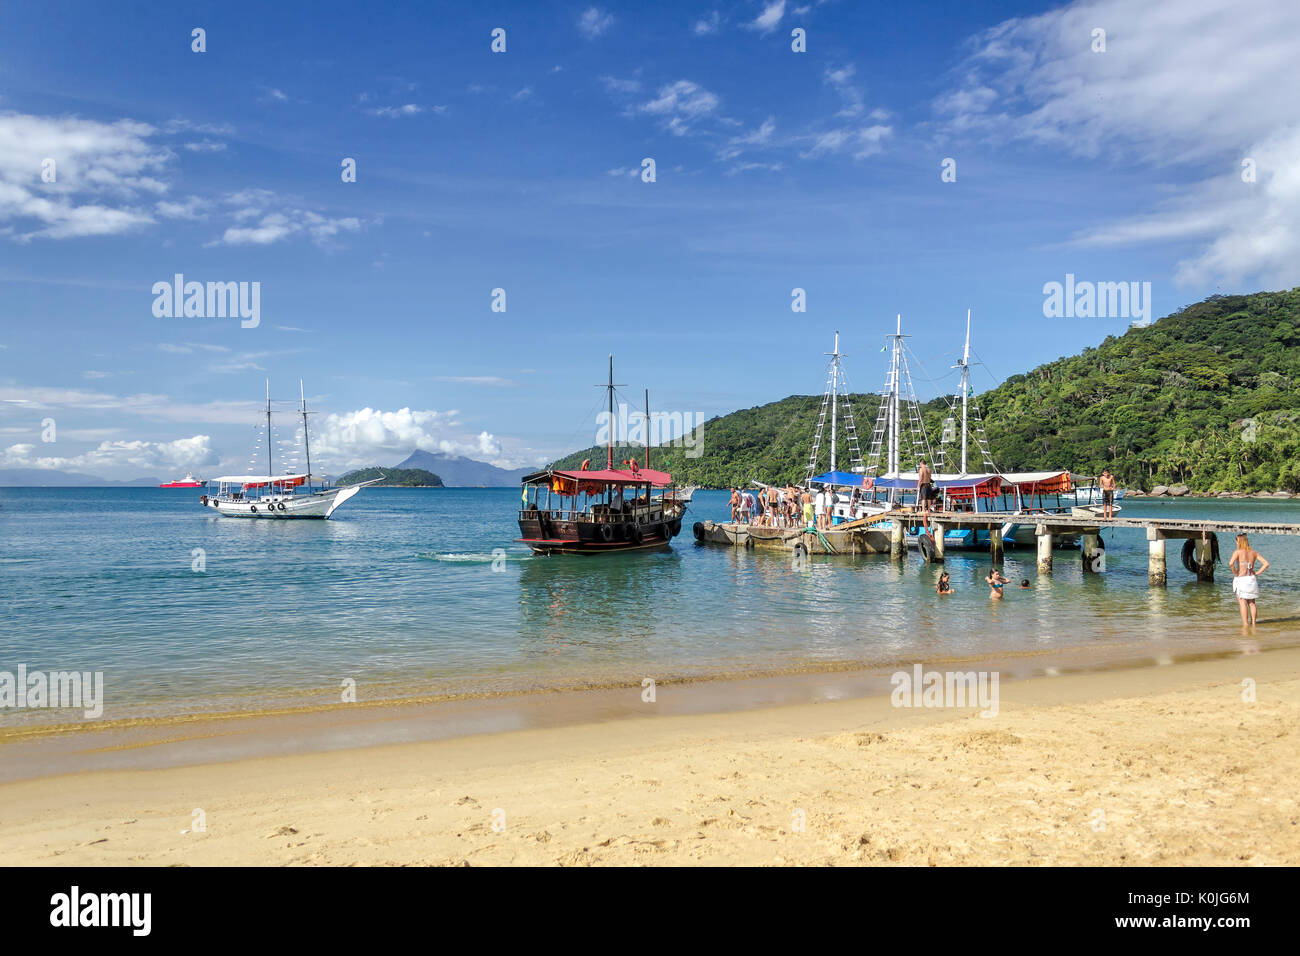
(567, 480)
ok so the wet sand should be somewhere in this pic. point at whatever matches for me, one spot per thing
(1145, 765)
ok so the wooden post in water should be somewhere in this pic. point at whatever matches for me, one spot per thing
(1044, 550)
(896, 540)
(938, 540)
(995, 545)
(1156, 561)
(1203, 555)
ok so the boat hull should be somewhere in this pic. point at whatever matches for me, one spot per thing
(858, 540)
(549, 535)
(318, 505)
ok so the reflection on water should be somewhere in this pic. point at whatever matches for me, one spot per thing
(401, 593)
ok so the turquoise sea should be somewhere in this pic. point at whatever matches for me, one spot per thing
(400, 592)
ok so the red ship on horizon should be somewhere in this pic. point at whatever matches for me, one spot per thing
(189, 481)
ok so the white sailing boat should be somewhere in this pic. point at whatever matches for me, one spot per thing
(288, 495)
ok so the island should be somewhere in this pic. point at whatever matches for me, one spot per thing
(393, 478)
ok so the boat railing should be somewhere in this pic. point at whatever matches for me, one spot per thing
(612, 517)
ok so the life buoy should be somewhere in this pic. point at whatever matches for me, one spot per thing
(697, 530)
(253, 509)
(607, 533)
(280, 506)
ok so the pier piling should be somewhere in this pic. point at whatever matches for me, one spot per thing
(1044, 550)
(1156, 562)
(995, 545)
(937, 527)
(897, 542)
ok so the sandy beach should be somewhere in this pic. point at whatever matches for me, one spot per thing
(1144, 766)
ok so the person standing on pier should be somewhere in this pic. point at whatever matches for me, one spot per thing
(1107, 494)
(1245, 579)
(735, 505)
(924, 491)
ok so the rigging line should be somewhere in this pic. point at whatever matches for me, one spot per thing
(924, 373)
(980, 361)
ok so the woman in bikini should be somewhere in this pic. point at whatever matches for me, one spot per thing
(995, 581)
(1245, 579)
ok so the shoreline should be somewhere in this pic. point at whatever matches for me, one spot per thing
(42, 749)
(1181, 769)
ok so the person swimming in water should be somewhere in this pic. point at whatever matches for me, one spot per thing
(943, 587)
(1024, 584)
(996, 581)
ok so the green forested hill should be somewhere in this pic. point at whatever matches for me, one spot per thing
(1174, 401)
(1208, 396)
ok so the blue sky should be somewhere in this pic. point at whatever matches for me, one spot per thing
(521, 170)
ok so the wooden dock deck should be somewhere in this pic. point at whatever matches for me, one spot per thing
(1158, 530)
(888, 532)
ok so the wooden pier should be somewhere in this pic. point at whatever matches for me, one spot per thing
(889, 535)
(1158, 531)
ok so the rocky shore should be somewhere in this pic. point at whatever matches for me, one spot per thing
(1182, 491)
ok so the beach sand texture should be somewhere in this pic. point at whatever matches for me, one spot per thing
(1148, 766)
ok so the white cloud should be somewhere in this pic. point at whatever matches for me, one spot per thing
(369, 435)
(477, 380)
(594, 21)
(101, 171)
(858, 142)
(680, 102)
(1164, 93)
(191, 208)
(117, 458)
(707, 25)
(265, 218)
(770, 18)
(408, 109)
(615, 85)
(759, 137)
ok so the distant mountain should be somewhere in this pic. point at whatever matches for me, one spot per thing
(458, 472)
(48, 478)
(393, 478)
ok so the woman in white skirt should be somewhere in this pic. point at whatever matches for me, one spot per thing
(1245, 578)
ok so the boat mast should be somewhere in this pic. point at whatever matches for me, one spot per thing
(270, 473)
(306, 438)
(893, 397)
(609, 444)
(964, 365)
(835, 394)
(647, 428)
